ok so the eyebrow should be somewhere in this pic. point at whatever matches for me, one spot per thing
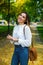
(23, 16)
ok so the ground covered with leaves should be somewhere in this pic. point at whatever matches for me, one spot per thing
(6, 52)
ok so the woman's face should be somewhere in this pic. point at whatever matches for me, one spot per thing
(22, 18)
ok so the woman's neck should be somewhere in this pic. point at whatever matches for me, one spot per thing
(21, 23)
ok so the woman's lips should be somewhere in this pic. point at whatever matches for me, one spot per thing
(19, 19)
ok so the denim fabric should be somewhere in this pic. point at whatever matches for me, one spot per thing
(21, 55)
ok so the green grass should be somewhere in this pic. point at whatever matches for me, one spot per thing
(4, 30)
(40, 31)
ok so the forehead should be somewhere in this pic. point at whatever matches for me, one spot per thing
(23, 14)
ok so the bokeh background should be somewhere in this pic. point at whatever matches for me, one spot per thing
(9, 10)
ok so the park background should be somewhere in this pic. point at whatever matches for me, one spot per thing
(9, 10)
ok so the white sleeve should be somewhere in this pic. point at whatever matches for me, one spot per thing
(13, 34)
(26, 42)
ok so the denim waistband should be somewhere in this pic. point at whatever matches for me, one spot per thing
(20, 46)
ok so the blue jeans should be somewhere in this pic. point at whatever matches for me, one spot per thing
(21, 55)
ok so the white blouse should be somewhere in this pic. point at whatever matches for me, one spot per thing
(19, 34)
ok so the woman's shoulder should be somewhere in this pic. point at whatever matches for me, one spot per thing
(27, 27)
(16, 26)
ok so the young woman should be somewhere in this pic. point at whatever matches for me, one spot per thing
(21, 52)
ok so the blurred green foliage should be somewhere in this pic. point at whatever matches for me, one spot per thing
(40, 31)
(33, 7)
(4, 30)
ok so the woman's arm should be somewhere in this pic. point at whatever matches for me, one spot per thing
(9, 37)
(13, 37)
(26, 42)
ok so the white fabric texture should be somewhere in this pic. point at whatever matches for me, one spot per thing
(19, 34)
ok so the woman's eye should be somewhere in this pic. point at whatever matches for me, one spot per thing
(22, 16)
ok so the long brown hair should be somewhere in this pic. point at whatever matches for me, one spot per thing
(27, 21)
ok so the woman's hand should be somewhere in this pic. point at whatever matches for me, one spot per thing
(15, 39)
(9, 37)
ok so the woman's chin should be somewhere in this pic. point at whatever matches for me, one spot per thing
(19, 21)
